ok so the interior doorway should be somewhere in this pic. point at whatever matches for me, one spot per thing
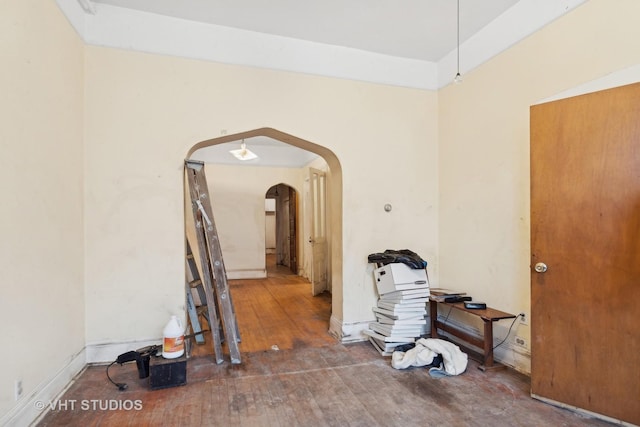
(281, 219)
(240, 221)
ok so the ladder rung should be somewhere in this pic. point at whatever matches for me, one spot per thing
(214, 279)
(195, 283)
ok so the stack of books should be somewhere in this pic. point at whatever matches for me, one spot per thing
(448, 295)
(401, 318)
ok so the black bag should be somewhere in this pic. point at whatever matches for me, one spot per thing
(405, 256)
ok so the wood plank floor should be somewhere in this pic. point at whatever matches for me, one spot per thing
(277, 311)
(309, 379)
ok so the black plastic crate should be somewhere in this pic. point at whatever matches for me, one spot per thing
(165, 373)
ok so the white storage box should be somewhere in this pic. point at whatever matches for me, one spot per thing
(398, 276)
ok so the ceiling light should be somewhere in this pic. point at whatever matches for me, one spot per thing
(243, 153)
(458, 77)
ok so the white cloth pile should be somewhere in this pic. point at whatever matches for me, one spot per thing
(426, 349)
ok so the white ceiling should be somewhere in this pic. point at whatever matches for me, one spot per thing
(408, 43)
(270, 153)
(416, 29)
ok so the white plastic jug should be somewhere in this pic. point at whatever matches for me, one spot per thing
(173, 345)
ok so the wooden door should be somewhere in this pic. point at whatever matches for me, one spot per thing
(284, 224)
(318, 237)
(585, 226)
(293, 234)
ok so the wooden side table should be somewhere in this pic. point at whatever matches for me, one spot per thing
(488, 316)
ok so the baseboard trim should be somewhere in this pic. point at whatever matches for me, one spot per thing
(581, 411)
(30, 409)
(246, 274)
(348, 332)
(101, 353)
(335, 327)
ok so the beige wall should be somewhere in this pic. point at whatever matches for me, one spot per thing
(484, 148)
(270, 230)
(238, 194)
(144, 112)
(41, 214)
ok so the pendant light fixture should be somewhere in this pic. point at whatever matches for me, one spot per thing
(458, 77)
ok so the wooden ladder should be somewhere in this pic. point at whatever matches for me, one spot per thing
(214, 276)
(194, 283)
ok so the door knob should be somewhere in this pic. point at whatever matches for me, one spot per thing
(540, 267)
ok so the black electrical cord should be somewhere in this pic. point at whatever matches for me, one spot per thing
(448, 313)
(121, 386)
(508, 332)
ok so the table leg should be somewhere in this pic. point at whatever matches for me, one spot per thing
(433, 315)
(488, 344)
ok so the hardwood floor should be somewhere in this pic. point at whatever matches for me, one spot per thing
(309, 379)
(277, 311)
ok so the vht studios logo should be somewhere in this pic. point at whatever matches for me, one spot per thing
(90, 405)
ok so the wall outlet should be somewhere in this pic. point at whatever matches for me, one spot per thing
(17, 389)
(524, 318)
(521, 342)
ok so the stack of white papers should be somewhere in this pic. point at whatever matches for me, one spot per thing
(401, 318)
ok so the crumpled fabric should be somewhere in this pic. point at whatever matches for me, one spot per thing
(426, 349)
(404, 256)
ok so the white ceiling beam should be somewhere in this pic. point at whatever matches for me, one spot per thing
(142, 31)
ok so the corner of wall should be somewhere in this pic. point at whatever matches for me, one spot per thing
(33, 407)
(75, 15)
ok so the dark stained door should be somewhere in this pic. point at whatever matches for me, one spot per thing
(293, 235)
(585, 226)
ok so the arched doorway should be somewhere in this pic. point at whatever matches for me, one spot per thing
(281, 226)
(333, 209)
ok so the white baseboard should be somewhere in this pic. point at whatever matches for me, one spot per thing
(33, 407)
(335, 327)
(348, 332)
(246, 274)
(108, 352)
